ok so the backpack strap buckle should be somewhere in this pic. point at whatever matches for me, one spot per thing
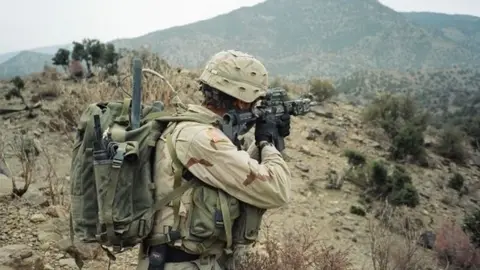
(118, 157)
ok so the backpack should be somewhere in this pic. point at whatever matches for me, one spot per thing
(112, 189)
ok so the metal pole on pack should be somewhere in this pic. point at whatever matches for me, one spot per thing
(137, 93)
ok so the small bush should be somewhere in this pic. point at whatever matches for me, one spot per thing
(400, 118)
(355, 158)
(471, 224)
(456, 182)
(18, 83)
(388, 251)
(397, 187)
(356, 210)
(379, 175)
(451, 145)
(408, 141)
(453, 247)
(321, 89)
(403, 192)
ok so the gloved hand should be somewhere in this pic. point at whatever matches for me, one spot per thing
(266, 129)
(283, 125)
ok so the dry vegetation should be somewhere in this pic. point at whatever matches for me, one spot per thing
(386, 185)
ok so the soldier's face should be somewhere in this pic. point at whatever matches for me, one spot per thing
(242, 106)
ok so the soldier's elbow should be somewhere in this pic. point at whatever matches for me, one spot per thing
(282, 200)
(282, 195)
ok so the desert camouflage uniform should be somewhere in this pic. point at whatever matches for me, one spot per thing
(211, 157)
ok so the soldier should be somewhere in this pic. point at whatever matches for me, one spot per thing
(207, 218)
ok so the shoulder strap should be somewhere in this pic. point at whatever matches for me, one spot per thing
(178, 188)
(123, 118)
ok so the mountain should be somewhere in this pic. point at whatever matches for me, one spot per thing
(51, 50)
(299, 39)
(23, 63)
(5, 56)
(304, 38)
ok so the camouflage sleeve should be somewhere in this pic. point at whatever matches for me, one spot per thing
(214, 159)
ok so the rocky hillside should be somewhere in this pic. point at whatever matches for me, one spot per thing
(462, 29)
(330, 219)
(438, 90)
(25, 62)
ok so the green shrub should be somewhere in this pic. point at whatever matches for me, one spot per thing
(355, 158)
(356, 210)
(379, 176)
(456, 181)
(471, 225)
(321, 89)
(451, 144)
(400, 118)
(408, 141)
(397, 187)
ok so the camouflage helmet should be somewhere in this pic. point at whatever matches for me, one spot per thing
(237, 74)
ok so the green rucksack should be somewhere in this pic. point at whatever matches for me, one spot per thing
(112, 189)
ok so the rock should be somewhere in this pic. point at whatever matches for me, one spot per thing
(5, 185)
(476, 160)
(19, 257)
(427, 239)
(35, 196)
(69, 263)
(57, 211)
(302, 167)
(37, 218)
(376, 145)
(46, 237)
(3, 169)
(321, 112)
(429, 142)
(304, 149)
(37, 133)
(313, 134)
(357, 138)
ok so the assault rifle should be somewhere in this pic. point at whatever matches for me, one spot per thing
(275, 104)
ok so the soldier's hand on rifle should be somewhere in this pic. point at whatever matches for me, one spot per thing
(283, 125)
(266, 129)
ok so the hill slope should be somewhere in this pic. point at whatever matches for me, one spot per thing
(311, 37)
(24, 63)
(440, 91)
(45, 50)
(462, 29)
(5, 56)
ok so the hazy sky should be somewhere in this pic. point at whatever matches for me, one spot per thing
(26, 24)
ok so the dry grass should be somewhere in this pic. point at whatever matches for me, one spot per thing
(57, 191)
(454, 248)
(25, 151)
(299, 249)
(394, 242)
